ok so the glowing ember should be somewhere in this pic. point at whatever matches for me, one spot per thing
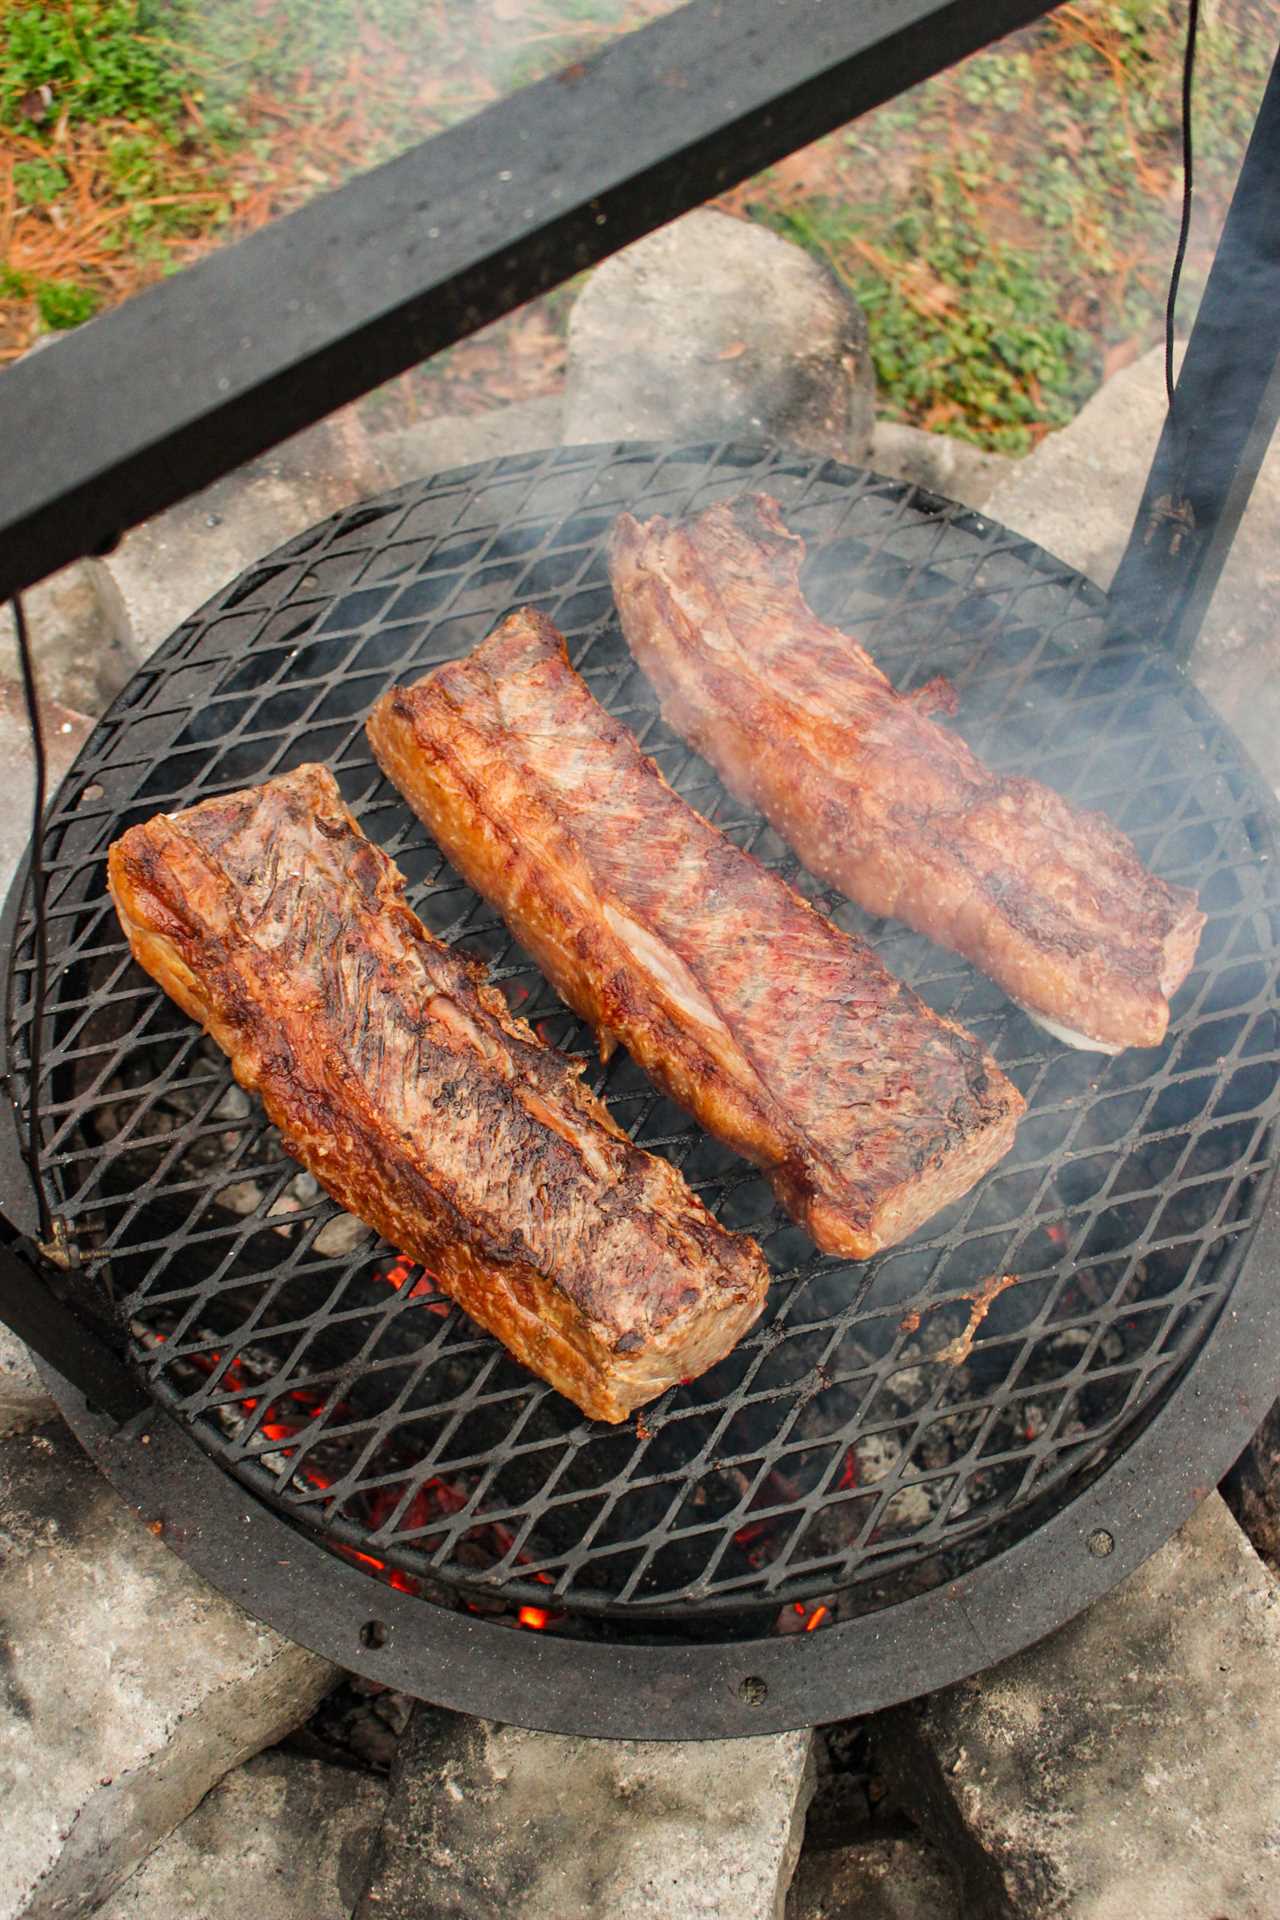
(535, 1617)
(403, 1270)
(816, 1618)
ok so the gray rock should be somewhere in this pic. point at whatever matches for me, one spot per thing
(128, 1687)
(714, 327)
(895, 1878)
(65, 732)
(1127, 1768)
(460, 439)
(284, 1834)
(488, 1821)
(79, 660)
(1077, 495)
(936, 461)
(164, 570)
(25, 1401)
(171, 565)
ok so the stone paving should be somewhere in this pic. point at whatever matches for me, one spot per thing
(662, 344)
(281, 1836)
(1128, 1767)
(128, 1687)
(487, 1821)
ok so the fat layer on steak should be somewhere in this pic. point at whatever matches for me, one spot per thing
(401, 1081)
(878, 799)
(784, 1036)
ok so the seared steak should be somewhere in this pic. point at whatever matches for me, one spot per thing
(880, 800)
(784, 1036)
(401, 1081)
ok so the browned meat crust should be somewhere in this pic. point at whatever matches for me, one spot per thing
(785, 1037)
(401, 1081)
(880, 800)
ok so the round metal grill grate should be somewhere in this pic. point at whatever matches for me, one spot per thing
(885, 1424)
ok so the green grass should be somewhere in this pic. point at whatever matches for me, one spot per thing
(61, 304)
(37, 183)
(1033, 210)
(996, 361)
(111, 61)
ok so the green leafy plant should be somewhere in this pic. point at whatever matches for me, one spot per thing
(37, 182)
(62, 304)
(1022, 243)
(102, 59)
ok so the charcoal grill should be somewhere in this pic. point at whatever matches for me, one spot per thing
(909, 1468)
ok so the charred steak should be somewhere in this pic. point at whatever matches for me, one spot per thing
(880, 800)
(784, 1036)
(401, 1081)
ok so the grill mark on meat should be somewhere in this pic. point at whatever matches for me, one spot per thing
(880, 800)
(402, 1082)
(784, 1036)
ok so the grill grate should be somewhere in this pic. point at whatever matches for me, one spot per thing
(885, 1424)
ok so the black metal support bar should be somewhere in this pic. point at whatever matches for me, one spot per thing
(61, 1338)
(186, 381)
(1226, 407)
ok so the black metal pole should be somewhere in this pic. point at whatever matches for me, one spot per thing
(1226, 407)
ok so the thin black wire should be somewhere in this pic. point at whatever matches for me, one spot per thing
(1175, 278)
(40, 935)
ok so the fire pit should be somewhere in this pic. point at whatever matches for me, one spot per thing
(911, 1467)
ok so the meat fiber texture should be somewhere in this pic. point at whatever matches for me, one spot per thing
(401, 1081)
(784, 1036)
(882, 802)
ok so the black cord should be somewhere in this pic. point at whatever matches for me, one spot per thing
(1188, 77)
(37, 878)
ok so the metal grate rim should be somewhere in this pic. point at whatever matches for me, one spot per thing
(838, 1455)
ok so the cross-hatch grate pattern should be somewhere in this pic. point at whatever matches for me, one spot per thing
(876, 1430)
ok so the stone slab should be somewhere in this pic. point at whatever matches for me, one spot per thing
(128, 1687)
(65, 732)
(1128, 1767)
(79, 660)
(163, 570)
(895, 1878)
(462, 439)
(950, 467)
(488, 1821)
(25, 1401)
(1077, 495)
(281, 1835)
(714, 327)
